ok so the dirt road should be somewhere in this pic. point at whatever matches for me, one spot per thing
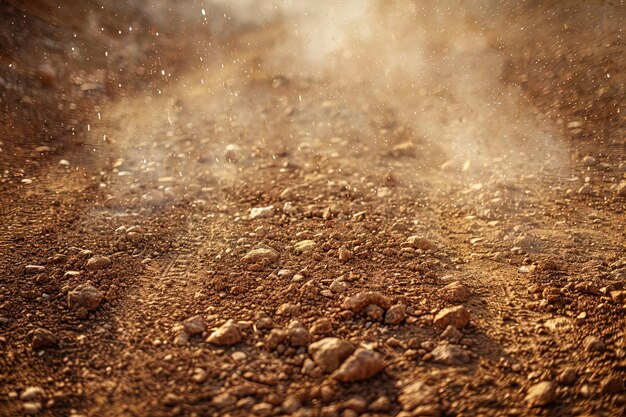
(230, 226)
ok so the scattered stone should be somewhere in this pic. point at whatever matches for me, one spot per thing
(455, 292)
(199, 375)
(457, 316)
(587, 287)
(288, 309)
(223, 400)
(84, 298)
(264, 323)
(380, 404)
(34, 269)
(418, 242)
(262, 409)
(43, 338)
(357, 404)
(396, 314)
(541, 394)
(322, 326)
(344, 254)
(374, 313)
(97, 262)
(452, 334)
(338, 286)
(239, 356)
(594, 344)
(618, 297)
(32, 393)
(261, 212)
(567, 377)
(261, 257)
(194, 325)
(309, 368)
(558, 324)
(358, 302)
(621, 189)
(330, 353)
(181, 339)
(450, 355)
(419, 397)
(291, 404)
(361, 365)
(31, 408)
(304, 246)
(275, 338)
(226, 335)
(297, 334)
(612, 385)
(171, 400)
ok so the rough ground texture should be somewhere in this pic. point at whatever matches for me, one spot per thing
(178, 235)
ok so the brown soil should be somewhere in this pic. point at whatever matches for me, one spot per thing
(160, 172)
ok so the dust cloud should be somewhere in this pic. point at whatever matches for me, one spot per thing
(436, 63)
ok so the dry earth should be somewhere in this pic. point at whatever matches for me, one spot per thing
(186, 237)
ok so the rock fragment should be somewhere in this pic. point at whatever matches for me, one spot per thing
(361, 365)
(338, 286)
(358, 302)
(374, 313)
(31, 408)
(261, 257)
(541, 394)
(450, 355)
(32, 393)
(420, 399)
(396, 314)
(344, 254)
(298, 334)
(43, 338)
(194, 325)
(261, 212)
(454, 292)
(98, 262)
(322, 326)
(418, 242)
(226, 335)
(612, 385)
(304, 246)
(558, 324)
(84, 298)
(618, 297)
(594, 344)
(457, 316)
(452, 334)
(621, 189)
(288, 309)
(330, 353)
(567, 377)
(587, 287)
(34, 269)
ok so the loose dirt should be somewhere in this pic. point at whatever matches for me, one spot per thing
(221, 237)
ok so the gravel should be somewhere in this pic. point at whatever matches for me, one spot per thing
(457, 316)
(361, 365)
(330, 353)
(226, 335)
(358, 302)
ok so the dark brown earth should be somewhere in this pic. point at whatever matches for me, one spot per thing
(309, 205)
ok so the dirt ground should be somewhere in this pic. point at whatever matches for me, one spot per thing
(194, 204)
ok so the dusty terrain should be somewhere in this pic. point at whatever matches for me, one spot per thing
(193, 202)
